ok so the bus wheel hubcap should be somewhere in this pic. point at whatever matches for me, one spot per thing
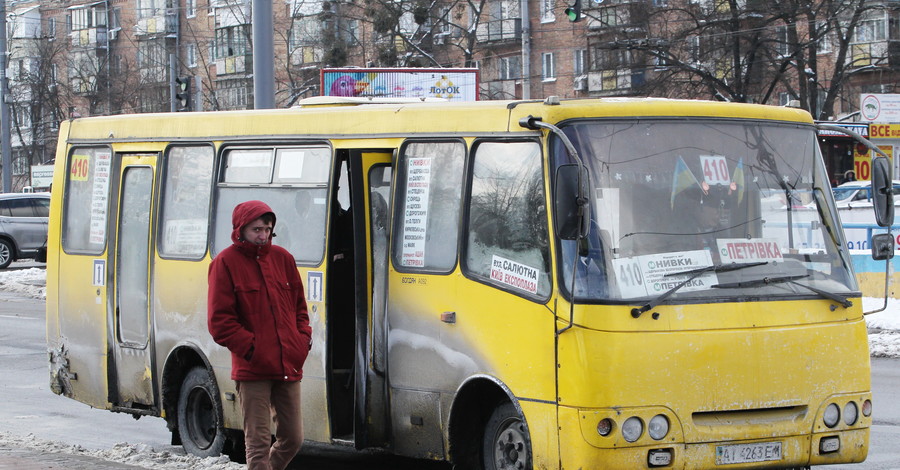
(510, 451)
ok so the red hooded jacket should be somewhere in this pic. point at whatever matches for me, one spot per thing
(256, 306)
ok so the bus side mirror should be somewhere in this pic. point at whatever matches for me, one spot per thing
(882, 192)
(882, 246)
(572, 210)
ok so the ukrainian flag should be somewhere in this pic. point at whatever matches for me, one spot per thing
(682, 179)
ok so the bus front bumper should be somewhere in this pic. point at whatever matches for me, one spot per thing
(584, 451)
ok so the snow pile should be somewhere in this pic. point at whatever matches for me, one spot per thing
(31, 282)
(140, 455)
(884, 327)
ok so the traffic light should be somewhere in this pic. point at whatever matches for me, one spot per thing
(573, 11)
(183, 93)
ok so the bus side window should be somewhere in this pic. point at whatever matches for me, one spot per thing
(185, 209)
(507, 243)
(87, 200)
(429, 193)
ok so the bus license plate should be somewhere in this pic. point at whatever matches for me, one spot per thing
(746, 453)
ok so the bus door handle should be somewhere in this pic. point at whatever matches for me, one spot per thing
(448, 317)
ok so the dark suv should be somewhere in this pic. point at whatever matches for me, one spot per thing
(23, 226)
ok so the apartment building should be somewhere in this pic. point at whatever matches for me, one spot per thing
(78, 57)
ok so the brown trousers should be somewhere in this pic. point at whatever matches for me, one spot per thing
(261, 401)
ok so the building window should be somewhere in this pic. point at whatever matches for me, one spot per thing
(446, 20)
(510, 68)
(191, 7)
(151, 8)
(353, 32)
(611, 59)
(22, 116)
(825, 40)
(81, 19)
(782, 45)
(578, 66)
(192, 55)
(21, 167)
(151, 54)
(870, 31)
(547, 7)
(51, 27)
(231, 41)
(548, 69)
(305, 31)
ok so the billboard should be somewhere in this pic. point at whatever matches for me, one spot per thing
(450, 84)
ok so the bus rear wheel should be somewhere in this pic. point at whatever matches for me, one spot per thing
(507, 445)
(200, 416)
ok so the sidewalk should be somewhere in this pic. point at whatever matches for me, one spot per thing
(28, 459)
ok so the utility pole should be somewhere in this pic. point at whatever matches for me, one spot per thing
(263, 55)
(6, 146)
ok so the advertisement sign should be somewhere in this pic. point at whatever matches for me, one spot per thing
(449, 84)
(881, 107)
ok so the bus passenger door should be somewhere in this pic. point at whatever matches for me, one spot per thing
(370, 180)
(129, 313)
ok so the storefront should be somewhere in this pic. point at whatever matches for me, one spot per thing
(842, 153)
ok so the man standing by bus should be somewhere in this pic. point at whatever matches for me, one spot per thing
(256, 309)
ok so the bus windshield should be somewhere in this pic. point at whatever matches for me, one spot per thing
(695, 210)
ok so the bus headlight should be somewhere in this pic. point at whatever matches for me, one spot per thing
(867, 408)
(658, 427)
(632, 429)
(851, 413)
(832, 415)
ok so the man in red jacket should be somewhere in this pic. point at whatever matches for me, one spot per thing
(256, 309)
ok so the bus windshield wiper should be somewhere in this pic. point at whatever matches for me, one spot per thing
(786, 279)
(695, 273)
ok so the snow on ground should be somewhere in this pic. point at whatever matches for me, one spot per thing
(31, 282)
(139, 455)
(884, 341)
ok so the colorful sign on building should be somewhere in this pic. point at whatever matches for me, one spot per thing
(449, 84)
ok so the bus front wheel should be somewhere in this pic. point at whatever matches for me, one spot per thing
(506, 441)
(199, 415)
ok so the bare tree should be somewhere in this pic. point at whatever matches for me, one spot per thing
(744, 51)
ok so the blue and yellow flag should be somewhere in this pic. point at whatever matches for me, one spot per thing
(682, 178)
(737, 180)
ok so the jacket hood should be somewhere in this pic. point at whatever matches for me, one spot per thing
(247, 212)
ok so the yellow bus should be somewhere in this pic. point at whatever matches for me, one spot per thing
(548, 284)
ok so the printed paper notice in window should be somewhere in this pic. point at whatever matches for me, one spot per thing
(99, 197)
(513, 274)
(415, 217)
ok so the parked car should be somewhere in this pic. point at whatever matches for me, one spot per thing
(23, 226)
(848, 194)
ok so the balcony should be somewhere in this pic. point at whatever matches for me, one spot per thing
(97, 37)
(500, 31)
(166, 23)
